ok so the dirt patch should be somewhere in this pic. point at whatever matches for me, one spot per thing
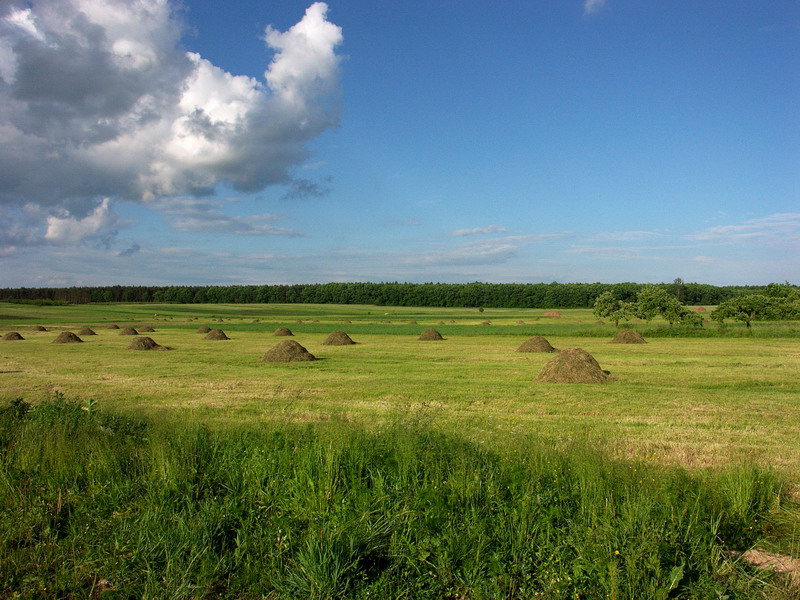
(768, 561)
(12, 336)
(129, 331)
(203, 329)
(536, 344)
(87, 331)
(628, 336)
(67, 337)
(287, 351)
(283, 331)
(216, 334)
(572, 365)
(338, 338)
(430, 335)
(145, 343)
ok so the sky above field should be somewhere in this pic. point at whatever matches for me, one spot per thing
(247, 142)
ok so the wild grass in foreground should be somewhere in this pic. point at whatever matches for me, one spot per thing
(99, 506)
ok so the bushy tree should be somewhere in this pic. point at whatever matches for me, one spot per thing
(606, 306)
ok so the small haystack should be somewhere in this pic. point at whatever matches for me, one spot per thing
(412, 323)
(572, 365)
(536, 344)
(11, 336)
(145, 343)
(520, 322)
(216, 334)
(555, 314)
(700, 309)
(38, 328)
(87, 331)
(203, 329)
(486, 322)
(430, 335)
(283, 331)
(67, 337)
(628, 336)
(338, 338)
(287, 351)
(129, 331)
(112, 326)
(146, 329)
(441, 323)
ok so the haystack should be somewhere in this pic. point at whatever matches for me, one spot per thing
(145, 343)
(700, 309)
(112, 326)
(283, 331)
(430, 335)
(555, 314)
(11, 336)
(216, 334)
(86, 331)
(287, 351)
(628, 336)
(146, 329)
(67, 337)
(338, 338)
(39, 328)
(203, 329)
(486, 322)
(536, 344)
(572, 365)
(129, 331)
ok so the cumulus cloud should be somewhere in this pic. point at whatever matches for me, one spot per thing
(100, 225)
(478, 231)
(99, 100)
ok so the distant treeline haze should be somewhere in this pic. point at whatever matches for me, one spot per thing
(489, 295)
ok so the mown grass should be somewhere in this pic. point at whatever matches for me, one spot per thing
(99, 506)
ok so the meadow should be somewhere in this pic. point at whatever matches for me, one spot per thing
(396, 467)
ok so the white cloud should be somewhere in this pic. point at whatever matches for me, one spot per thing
(99, 225)
(776, 228)
(592, 6)
(478, 231)
(624, 236)
(98, 99)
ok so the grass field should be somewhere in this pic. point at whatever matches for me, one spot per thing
(720, 404)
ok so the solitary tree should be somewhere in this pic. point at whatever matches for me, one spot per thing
(744, 308)
(607, 306)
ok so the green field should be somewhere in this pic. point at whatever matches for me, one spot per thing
(720, 405)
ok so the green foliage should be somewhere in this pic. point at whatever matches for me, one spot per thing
(404, 512)
(606, 306)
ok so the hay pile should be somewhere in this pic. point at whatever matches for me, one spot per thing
(86, 331)
(700, 309)
(11, 336)
(628, 336)
(287, 351)
(283, 331)
(145, 343)
(555, 314)
(203, 329)
(129, 331)
(67, 337)
(146, 329)
(486, 322)
(216, 334)
(430, 335)
(536, 344)
(338, 338)
(39, 328)
(112, 326)
(572, 365)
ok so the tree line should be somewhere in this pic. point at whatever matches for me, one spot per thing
(488, 295)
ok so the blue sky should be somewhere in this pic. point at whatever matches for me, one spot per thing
(570, 141)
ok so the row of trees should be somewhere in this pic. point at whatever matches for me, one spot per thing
(775, 302)
(652, 301)
(489, 295)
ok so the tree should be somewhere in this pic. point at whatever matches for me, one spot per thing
(744, 308)
(607, 306)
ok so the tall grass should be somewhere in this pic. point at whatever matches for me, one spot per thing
(99, 506)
